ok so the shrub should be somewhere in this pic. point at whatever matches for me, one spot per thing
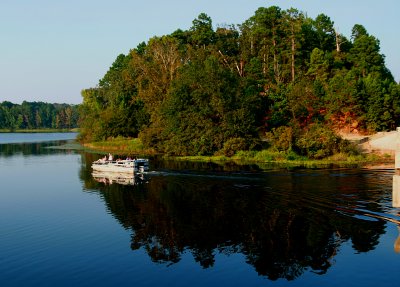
(346, 147)
(233, 145)
(281, 138)
(150, 137)
(291, 155)
(318, 142)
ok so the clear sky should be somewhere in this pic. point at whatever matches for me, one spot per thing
(52, 49)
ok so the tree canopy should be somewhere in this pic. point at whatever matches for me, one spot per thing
(195, 91)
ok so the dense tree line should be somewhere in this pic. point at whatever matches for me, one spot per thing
(38, 115)
(280, 74)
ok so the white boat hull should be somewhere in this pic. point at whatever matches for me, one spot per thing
(122, 166)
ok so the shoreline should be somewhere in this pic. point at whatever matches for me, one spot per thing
(369, 160)
(22, 131)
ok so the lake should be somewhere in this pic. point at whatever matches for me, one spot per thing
(190, 224)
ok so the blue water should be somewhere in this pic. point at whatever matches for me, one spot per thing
(8, 138)
(191, 225)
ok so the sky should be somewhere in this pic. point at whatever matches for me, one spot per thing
(50, 50)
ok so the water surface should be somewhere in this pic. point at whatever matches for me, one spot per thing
(186, 224)
(7, 138)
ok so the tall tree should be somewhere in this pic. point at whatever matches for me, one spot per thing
(365, 54)
(357, 31)
(292, 23)
(202, 33)
(263, 30)
(325, 32)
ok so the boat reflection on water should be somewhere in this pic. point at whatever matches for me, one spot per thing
(119, 178)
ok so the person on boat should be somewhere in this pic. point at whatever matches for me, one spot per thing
(110, 157)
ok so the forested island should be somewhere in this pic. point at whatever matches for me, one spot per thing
(37, 115)
(279, 80)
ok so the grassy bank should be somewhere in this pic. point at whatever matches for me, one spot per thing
(123, 146)
(291, 159)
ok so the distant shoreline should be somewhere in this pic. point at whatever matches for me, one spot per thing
(74, 130)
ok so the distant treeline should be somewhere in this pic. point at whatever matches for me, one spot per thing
(38, 115)
(280, 75)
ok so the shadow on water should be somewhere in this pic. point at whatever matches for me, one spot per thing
(284, 222)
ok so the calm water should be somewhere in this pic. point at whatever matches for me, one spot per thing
(191, 225)
(7, 138)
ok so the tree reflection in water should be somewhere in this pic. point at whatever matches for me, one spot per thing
(284, 224)
(31, 149)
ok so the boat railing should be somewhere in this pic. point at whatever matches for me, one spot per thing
(123, 161)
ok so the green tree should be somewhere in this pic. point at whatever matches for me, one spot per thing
(262, 37)
(365, 53)
(292, 24)
(325, 32)
(357, 31)
(381, 103)
(343, 100)
(205, 109)
(202, 33)
(320, 65)
(114, 108)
